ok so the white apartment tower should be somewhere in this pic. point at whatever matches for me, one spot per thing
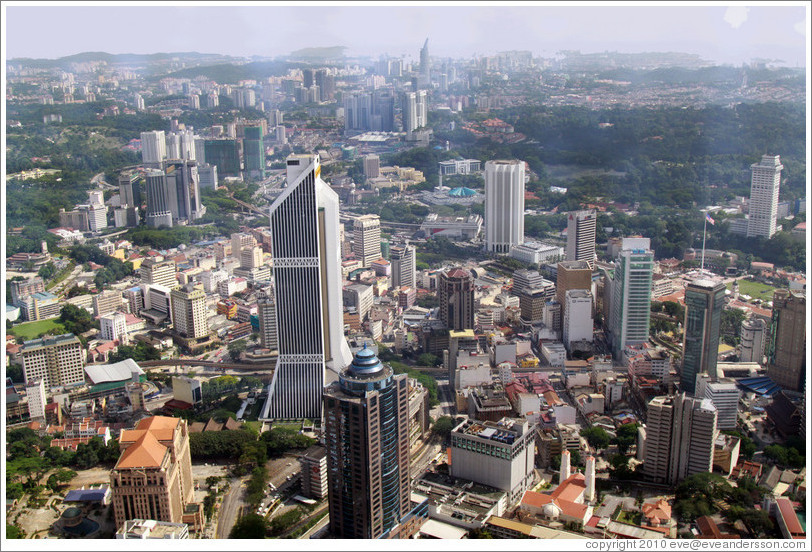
(307, 291)
(504, 205)
(764, 184)
(35, 391)
(631, 294)
(753, 336)
(113, 327)
(581, 231)
(189, 312)
(415, 110)
(577, 324)
(153, 148)
(57, 360)
(404, 264)
(367, 239)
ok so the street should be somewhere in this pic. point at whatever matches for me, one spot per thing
(232, 502)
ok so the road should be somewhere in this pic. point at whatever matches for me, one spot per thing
(230, 507)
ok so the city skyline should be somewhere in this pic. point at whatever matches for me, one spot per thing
(724, 35)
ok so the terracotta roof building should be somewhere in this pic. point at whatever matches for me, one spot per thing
(153, 476)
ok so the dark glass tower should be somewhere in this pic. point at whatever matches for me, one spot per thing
(704, 302)
(366, 422)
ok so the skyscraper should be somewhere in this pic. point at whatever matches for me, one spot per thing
(266, 312)
(223, 154)
(183, 190)
(571, 275)
(372, 166)
(631, 294)
(786, 349)
(367, 239)
(424, 78)
(129, 188)
(581, 229)
(753, 336)
(153, 148)
(456, 293)
(415, 110)
(57, 360)
(254, 153)
(764, 183)
(704, 302)
(504, 205)
(159, 272)
(159, 212)
(366, 432)
(404, 264)
(307, 291)
(680, 434)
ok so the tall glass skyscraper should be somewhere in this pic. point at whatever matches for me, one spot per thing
(366, 428)
(307, 291)
(631, 294)
(704, 302)
(254, 153)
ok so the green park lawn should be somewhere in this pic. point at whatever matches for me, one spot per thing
(30, 330)
(756, 290)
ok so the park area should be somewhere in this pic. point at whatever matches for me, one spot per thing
(755, 290)
(30, 330)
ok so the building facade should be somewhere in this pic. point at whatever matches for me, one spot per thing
(366, 420)
(367, 239)
(404, 263)
(504, 205)
(456, 294)
(631, 295)
(786, 349)
(704, 302)
(57, 360)
(765, 181)
(581, 232)
(189, 311)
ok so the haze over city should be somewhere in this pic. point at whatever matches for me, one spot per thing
(729, 35)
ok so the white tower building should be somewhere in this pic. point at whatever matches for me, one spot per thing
(307, 291)
(367, 239)
(764, 184)
(504, 205)
(589, 476)
(581, 232)
(153, 148)
(564, 474)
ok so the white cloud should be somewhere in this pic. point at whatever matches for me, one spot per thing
(800, 27)
(735, 16)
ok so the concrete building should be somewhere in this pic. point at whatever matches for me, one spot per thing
(314, 472)
(266, 312)
(20, 289)
(753, 337)
(158, 272)
(765, 181)
(307, 291)
(151, 529)
(704, 302)
(35, 392)
(372, 166)
(456, 294)
(498, 454)
(113, 327)
(188, 390)
(680, 436)
(159, 199)
(152, 478)
(404, 262)
(415, 110)
(367, 239)
(366, 429)
(107, 302)
(189, 311)
(57, 360)
(577, 319)
(571, 275)
(786, 349)
(581, 232)
(724, 394)
(533, 252)
(504, 205)
(153, 148)
(254, 152)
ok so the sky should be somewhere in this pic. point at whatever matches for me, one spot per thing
(721, 33)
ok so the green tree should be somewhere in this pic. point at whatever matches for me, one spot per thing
(596, 437)
(443, 426)
(236, 348)
(250, 526)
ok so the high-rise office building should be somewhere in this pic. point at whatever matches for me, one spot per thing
(35, 392)
(129, 189)
(415, 110)
(208, 176)
(225, 155)
(367, 239)
(680, 435)
(571, 275)
(113, 327)
(307, 291)
(251, 257)
(577, 317)
(366, 432)
(372, 166)
(159, 212)
(581, 231)
(704, 303)
(183, 190)
(765, 181)
(58, 360)
(753, 337)
(504, 205)
(786, 349)
(189, 312)
(424, 77)
(266, 312)
(152, 478)
(724, 393)
(158, 272)
(153, 148)
(456, 294)
(254, 153)
(404, 262)
(631, 294)
(20, 289)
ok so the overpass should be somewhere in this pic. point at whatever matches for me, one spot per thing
(194, 362)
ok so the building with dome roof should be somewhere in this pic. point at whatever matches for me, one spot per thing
(366, 429)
